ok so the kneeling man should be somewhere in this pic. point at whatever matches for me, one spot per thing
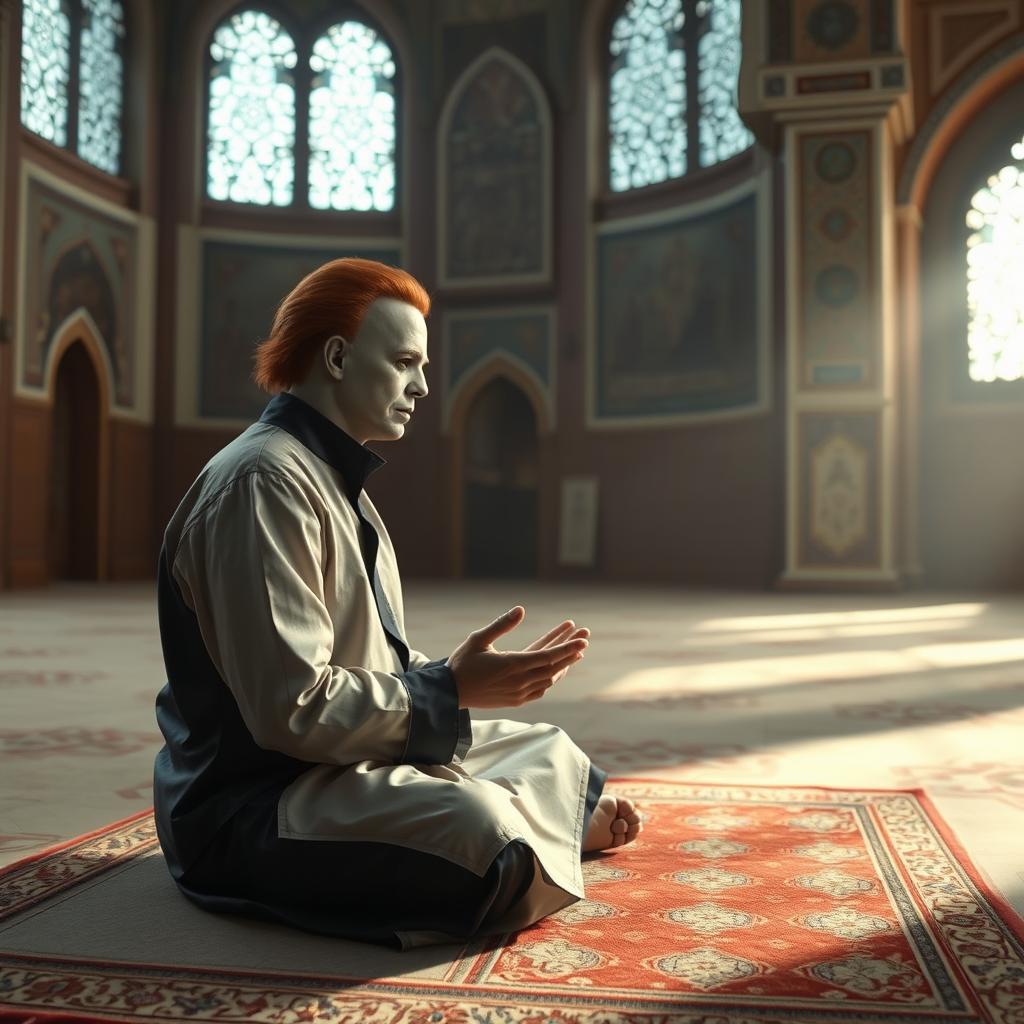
(317, 770)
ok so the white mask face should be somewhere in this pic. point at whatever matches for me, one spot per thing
(382, 372)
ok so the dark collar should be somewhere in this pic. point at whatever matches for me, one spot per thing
(326, 440)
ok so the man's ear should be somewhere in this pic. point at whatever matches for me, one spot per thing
(334, 355)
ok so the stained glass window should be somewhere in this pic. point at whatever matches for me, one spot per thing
(100, 89)
(722, 133)
(352, 120)
(647, 94)
(995, 269)
(673, 73)
(45, 68)
(250, 151)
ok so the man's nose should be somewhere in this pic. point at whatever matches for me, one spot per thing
(419, 385)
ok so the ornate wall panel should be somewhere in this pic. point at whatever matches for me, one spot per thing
(494, 176)
(238, 282)
(77, 257)
(837, 342)
(962, 30)
(821, 53)
(840, 463)
(522, 336)
(840, 345)
(682, 304)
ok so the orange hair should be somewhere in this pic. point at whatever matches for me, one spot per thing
(333, 299)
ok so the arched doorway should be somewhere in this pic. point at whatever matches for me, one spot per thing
(972, 389)
(75, 469)
(501, 484)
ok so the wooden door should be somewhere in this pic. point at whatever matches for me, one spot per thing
(74, 469)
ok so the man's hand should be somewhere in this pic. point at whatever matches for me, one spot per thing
(564, 631)
(488, 678)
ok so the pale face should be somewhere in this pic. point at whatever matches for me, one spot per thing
(382, 372)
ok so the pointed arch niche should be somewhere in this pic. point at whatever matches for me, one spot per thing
(499, 420)
(494, 176)
(74, 526)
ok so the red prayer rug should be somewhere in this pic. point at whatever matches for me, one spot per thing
(737, 905)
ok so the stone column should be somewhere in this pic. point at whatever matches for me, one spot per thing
(826, 83)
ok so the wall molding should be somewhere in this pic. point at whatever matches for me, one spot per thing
(142, 327)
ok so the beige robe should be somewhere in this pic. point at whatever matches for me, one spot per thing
(265, 550)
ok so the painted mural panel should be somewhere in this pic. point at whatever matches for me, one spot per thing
(838, 339)
(496, 154)
(78, 258)
(242, 285)
(839, 490)
(525, 336)
(677, 316)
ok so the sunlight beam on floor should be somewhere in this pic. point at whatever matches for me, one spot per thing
(754, 673)
(841, 618)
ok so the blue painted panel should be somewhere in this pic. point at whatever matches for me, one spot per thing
(677, 322)
(242, 286)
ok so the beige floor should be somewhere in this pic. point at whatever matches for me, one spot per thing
(919, 690)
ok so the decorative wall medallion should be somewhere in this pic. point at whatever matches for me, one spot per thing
(836, 285)
(839, 487)
(775, 85)
(705, 968)
(893, 76)
(835, 162)
(836, 225)
(833, 23)
(837, 328)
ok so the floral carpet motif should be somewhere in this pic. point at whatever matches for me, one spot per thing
(737, 905)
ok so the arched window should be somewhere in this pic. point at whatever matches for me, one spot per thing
(72, 76)
(352, 120)
(100, 84)
(995, 269)
(672, 75)
(260, 80)
(250, 153)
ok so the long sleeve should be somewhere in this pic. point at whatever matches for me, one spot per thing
(250, 565)
(417, 661)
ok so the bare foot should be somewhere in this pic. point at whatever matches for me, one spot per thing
(614, 822)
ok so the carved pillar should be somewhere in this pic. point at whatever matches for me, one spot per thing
(830, 89)
(908, 244)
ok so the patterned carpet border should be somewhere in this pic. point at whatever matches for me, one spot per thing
(977, 944)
